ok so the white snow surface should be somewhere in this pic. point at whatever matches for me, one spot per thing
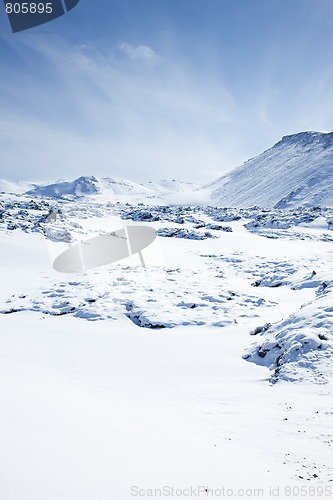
(125, 378)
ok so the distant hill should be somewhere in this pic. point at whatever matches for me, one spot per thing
(114, 188)
(91, 185)
(15, 187)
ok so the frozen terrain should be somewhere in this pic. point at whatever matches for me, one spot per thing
(211, 368)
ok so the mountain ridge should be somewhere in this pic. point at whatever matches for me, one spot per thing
(119, 189)
(296, 171)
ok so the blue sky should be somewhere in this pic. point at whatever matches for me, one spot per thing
(152, 89)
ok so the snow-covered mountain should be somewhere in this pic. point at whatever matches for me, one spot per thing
(78, 187)
(91, 185)
(118, 189)
(296, 171)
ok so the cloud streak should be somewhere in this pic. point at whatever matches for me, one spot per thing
(140, 52)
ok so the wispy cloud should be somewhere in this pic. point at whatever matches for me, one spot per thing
(140, 52)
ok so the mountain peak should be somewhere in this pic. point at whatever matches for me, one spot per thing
(307, 138)
(82, 186)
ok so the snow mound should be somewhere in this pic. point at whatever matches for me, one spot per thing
(299, 348)
(176, 232)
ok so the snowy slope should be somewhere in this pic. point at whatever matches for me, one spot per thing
(15, 187)
(296, 171)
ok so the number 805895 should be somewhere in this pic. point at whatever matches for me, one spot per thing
(29, 8)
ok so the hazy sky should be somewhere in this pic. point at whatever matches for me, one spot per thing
(152, 89)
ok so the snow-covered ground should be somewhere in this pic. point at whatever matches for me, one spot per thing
(126, 379)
